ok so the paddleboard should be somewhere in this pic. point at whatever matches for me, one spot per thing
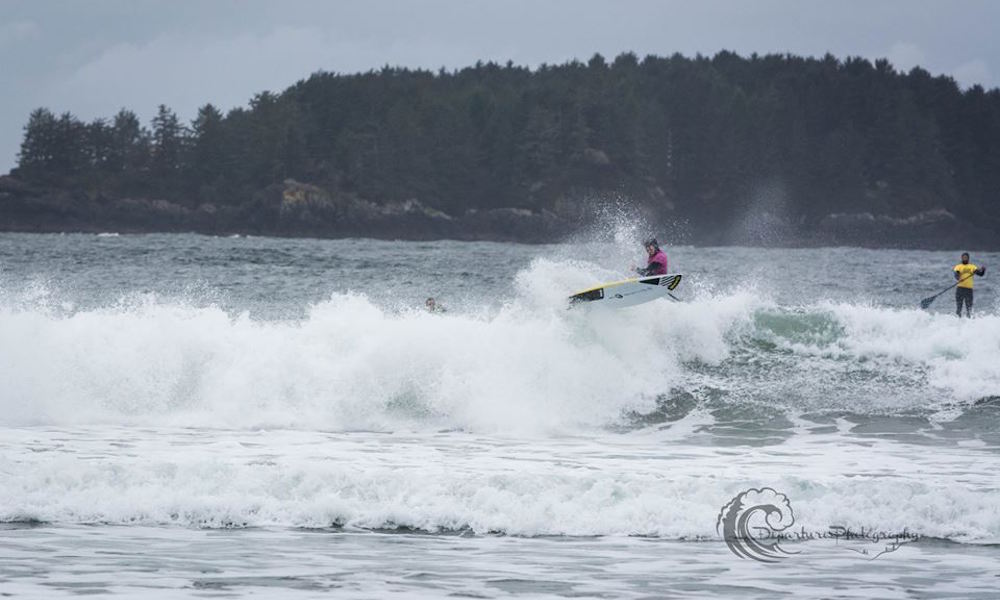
(628, 292)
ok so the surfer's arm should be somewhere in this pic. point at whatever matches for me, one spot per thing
(981, 271)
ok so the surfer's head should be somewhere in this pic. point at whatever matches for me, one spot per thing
(652, 246)
(965, 258)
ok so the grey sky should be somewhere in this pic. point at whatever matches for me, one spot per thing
(92, 58)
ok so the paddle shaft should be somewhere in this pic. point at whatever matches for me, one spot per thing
(927, 301)
(953, 285)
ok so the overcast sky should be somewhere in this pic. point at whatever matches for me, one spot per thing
(92, 58)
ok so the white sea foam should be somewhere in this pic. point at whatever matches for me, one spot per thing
(529, 366)
(611, 485)
(959, 357)
(533, 365)
(494, 418)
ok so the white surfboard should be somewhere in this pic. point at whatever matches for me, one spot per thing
(628, 292)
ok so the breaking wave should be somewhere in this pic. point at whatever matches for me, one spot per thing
(530, 365)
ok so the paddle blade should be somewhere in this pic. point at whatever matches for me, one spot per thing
(927, 301)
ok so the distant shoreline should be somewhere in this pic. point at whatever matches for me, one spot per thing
(801, 243)
(300, 210)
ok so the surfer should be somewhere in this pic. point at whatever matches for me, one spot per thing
(963, 290)
(656, 264)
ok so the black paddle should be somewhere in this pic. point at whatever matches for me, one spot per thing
(928, 300)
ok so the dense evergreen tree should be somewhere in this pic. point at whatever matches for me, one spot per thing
(168, 146)
(698, 136)
(38, 148)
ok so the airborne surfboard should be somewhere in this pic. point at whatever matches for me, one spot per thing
(628, 292)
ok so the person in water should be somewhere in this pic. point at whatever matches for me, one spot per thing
(433, 306)
(656, 263)
(963, 291)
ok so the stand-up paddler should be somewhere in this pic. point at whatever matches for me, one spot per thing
(963, 290)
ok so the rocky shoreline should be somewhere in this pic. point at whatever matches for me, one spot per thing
(290, 209)
(296, 209)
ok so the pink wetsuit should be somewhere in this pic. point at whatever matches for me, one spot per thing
(661, 267)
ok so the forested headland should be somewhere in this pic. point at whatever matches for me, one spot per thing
(776, 149)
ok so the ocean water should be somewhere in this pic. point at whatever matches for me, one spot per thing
(188, 416)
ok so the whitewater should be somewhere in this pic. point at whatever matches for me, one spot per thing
(186, 415)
